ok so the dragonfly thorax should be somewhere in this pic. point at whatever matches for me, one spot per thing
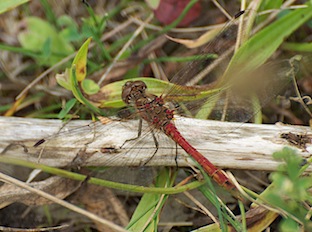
(150, 107)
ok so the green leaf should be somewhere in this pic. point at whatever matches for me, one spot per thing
(289, 225)
(36, 35)
(77, 93)
(46, 48)
(112, 92)
(151, 204)
(89, 86)
(66, 21)
(70, 29)
(71, 34)
(292, 162)
(68, 106)
(290, 190)
(298, 47)
(6, 5)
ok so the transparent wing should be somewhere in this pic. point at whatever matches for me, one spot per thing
(113, 144)
(243, 96)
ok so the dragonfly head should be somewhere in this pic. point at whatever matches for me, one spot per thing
(132, 91)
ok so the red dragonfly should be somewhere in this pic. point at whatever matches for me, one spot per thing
(158, 115)
(153, 110)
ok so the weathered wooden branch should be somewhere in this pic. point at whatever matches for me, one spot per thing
(84, 143)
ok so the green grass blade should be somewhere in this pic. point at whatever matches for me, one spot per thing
(146, 215)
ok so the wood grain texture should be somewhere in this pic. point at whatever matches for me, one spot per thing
(85, 143)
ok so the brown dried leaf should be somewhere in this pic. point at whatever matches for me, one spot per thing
(56, 186)
(203, 39)
(104, 203)
(259, 218)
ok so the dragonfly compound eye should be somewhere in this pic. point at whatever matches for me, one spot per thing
(139, 85)
(126, 92)
(133, 90)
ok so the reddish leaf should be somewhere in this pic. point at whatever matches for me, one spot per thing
(169, 10)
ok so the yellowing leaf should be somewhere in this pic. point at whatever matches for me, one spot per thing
(80, 61)
(203, 39)
(63, 80)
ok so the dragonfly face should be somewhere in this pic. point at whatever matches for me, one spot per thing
(132, 91)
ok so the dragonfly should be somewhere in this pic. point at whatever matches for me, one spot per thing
(153, 109)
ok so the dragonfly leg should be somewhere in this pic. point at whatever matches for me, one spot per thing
(138, 136)
(156, 145)
(176, 157)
